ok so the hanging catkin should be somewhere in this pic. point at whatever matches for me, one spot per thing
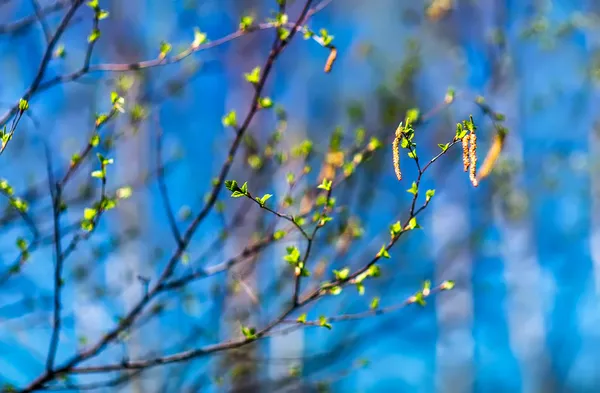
(473, 159)
(396, 154)
(465, 146)
(493, 154)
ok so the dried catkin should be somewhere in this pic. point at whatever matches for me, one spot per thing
(473, 157)
(396, 155)
(465, 146)
(492, 155)
(330, 59)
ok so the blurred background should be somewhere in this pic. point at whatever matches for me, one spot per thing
(523, 248)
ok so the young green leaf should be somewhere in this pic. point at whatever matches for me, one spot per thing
(323, 322)
(395, 229)
(374, 303)
(94, 35)
(325, 185)
(383, 253)
(253, 76)
(199, 38)
(414, 189)
(447, 285)
(263, 199)
(230, 119)
(412, 224)
(429, 194)
(341, 274)
(280, 234)
(246, 22)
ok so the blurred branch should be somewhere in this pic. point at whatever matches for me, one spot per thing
(27, 21)
(277, 48)
(39, 14)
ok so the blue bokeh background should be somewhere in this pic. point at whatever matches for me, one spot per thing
(524, 315)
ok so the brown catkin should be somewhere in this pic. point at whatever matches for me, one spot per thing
(330, 59)
(465, 146)
(396, 155)
(473, 157)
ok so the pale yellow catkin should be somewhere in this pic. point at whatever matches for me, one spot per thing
(396, 156)
(465, 146)
(473, 157)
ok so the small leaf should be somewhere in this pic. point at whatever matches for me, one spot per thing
(341, 274)
(253, 76)
(412, 115)
(395, 229)
(325, 185)
(429, 194)
(21, 244)
(374, 144)
(461, 132)
(447, 285)
(109, 204)
(412, 224)
(23, 105)
(323, 322)
(443, 146)
(414, 189)
(299, 220)
(230, 119)
(94, 35)
(231, 185)
(87, 225)
(374, 271)
(89, 213)
(199, 38)
(264, 198)
(165, 48)
(290, 178)
(420, 299)
(266, 103)
(302, 318)
(246, 22)
(336, 290)
(283, 33)
(249, 333)
(383, 253)
(279, 234)
(374, 303)
(426, 288)
(361, 288)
